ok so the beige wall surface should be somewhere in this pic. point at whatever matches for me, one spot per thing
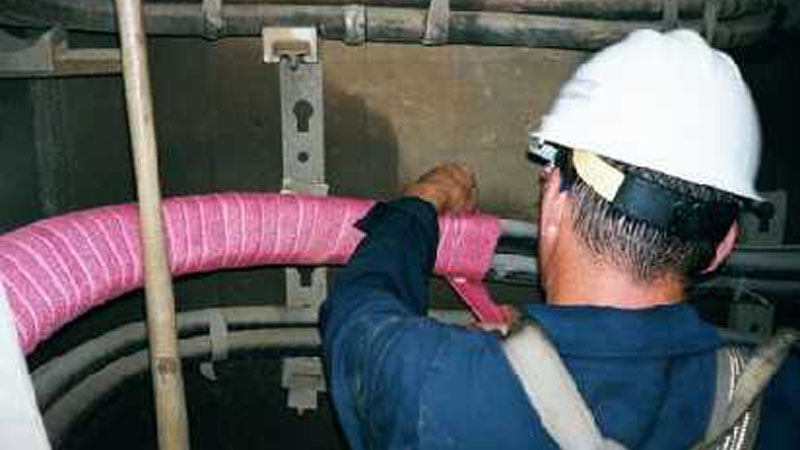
(471, 104)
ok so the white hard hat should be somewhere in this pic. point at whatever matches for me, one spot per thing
(663, 101)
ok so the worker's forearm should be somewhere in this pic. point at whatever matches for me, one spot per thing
(396, 256)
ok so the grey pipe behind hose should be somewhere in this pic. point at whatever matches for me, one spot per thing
(59, 374)
(776, 262)
(67, 410)
(56, 375)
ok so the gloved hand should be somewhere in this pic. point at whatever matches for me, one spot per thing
(450, 187)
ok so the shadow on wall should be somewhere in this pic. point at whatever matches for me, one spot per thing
(361, 150)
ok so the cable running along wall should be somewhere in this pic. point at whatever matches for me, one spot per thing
(576, 24)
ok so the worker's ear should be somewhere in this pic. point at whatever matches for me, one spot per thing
(724, 248)
(552, 205)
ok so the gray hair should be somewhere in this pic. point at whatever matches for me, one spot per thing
(643, 250)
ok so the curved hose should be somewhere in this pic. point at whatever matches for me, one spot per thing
(56, 269)
(573, 24)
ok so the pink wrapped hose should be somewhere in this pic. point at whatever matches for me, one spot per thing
(56, 269)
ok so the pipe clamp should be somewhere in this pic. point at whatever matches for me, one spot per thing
(437, 23)
(355, 24)
(212, 19)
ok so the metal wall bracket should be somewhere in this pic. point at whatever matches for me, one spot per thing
(751, 318)
(304, 378)
(750, 313)
(306, 287)
(302, 134)
(290, 42)
(756, 231)
(49, 55)
(302, 131)
(302, 128)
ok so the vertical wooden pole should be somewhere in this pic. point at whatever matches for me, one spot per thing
(165, 364)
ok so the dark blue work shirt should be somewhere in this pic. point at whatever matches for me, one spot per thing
(401, 380)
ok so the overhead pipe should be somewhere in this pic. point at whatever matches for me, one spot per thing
(399, 24)
(95, 11)
(165, 364)
(598, 9)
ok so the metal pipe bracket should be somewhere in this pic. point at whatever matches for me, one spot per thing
(437, 23)
(355, 24)
(297, 44)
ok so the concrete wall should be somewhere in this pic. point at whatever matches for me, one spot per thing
(470, 104)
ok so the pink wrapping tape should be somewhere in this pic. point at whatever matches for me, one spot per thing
(56, 269)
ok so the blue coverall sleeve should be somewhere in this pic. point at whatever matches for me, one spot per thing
(376, 340)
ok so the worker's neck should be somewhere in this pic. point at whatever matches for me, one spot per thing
(578, 278)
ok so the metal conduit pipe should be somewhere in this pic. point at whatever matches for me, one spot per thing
(516, 252)
(381, 24)
(54, 377)
(769, 288)
(59, 374)
(66, 411)
(617, 9)
(765, 262)
(597, 9)
(516, 263)
(510, 228)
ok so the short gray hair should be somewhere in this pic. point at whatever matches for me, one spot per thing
(643, 250)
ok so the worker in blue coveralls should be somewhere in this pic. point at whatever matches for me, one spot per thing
(651, 149)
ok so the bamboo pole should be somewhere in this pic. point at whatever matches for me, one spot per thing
(165, 365)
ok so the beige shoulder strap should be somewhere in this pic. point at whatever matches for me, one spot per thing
(730, 365)
(740, 382)
(552, 391)
(566, 418)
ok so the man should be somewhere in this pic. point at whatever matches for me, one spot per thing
(651, 150)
